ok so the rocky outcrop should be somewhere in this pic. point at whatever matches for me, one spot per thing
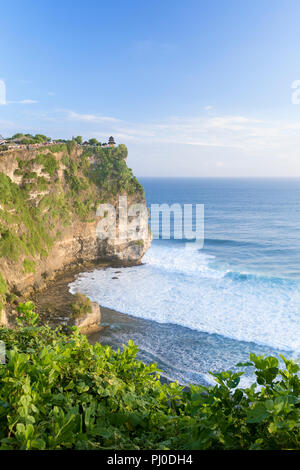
(3, 318)
(90, 322)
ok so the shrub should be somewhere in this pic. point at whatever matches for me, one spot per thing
(27, 315)
(60, 392)
(93, 141)
(17, 136)
(40, 138)
(78, 139)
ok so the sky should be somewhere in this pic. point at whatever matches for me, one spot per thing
(192, 87)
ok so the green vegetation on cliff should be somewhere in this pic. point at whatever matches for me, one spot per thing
(3, 292)
(28, 139)
(111, 172)
(60, 392)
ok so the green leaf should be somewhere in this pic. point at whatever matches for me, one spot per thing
(272, 428)
(257, 413)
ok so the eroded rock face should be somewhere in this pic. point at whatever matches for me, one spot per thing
(3, 318)
(90, 322)
(79, 244)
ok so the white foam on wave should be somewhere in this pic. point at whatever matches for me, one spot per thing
(179, 286)
(179, 260)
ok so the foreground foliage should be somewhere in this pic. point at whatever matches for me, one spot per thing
(57, 391)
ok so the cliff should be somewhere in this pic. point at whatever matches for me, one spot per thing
(48, 212)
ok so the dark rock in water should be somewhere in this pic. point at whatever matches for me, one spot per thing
(115, 277)
(117, 272)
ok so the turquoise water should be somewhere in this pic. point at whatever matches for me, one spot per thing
(198, 310)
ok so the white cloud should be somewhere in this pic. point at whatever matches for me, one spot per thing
(231, 122)
(73, 116)
(28, 101)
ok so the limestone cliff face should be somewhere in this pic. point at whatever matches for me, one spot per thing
(48, 212)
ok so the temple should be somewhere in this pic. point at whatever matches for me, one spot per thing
(111, 141)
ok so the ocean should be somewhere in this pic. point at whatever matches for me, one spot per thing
(198, 310)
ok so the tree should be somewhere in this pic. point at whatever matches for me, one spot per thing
(17, 136)
(40, 138)
(78, 139)
(93, 141)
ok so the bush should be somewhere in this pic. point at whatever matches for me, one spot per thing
(40, 138)
(93, 141)
(27, 315)
(17, 136)
(60, 392)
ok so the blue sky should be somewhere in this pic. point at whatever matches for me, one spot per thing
(193, 87)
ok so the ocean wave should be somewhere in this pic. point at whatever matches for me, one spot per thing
(259, 278)
(184, 287)
(231, 242)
